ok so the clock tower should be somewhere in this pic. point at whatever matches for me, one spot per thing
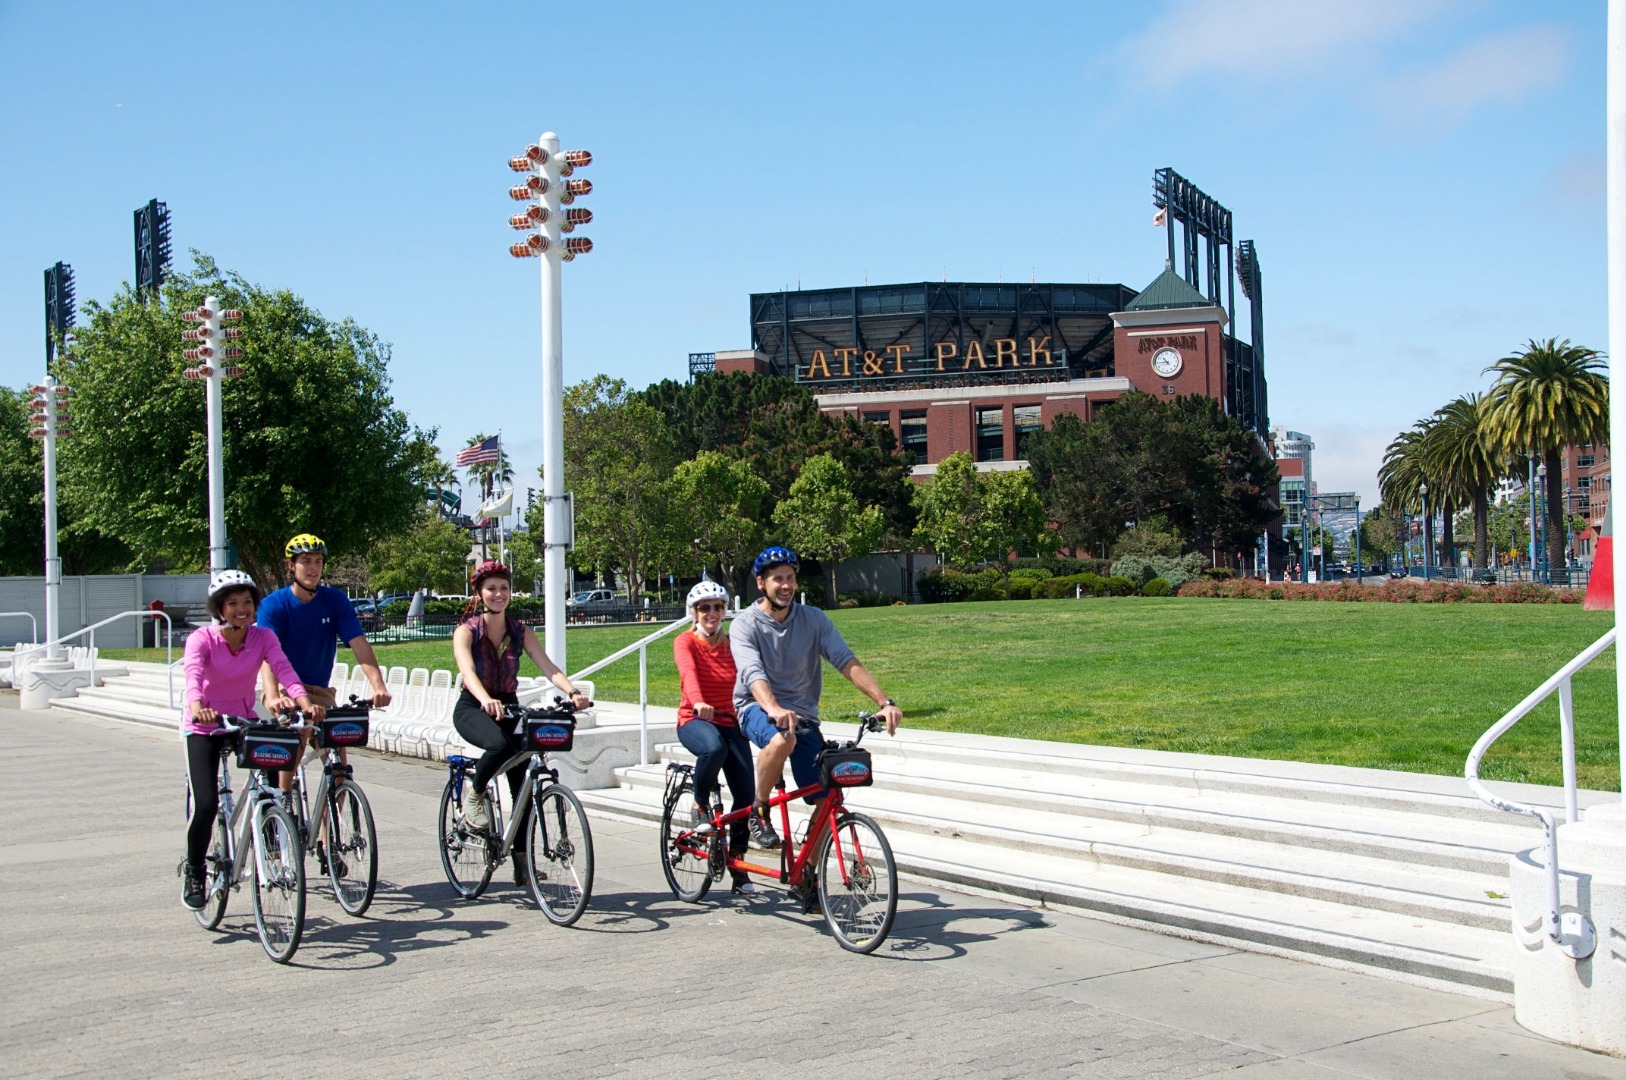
(1170, 340)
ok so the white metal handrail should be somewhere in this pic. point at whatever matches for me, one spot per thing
(642, 647)
(29, 615)
(169, 644)
(1572, 931)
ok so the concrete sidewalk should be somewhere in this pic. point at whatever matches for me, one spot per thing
(104, 971)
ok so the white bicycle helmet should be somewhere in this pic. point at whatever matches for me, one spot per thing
(227, 581)
(705, 590)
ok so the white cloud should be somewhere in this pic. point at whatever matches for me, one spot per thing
(1262, 40)
(1346, 46)
(1503, 69)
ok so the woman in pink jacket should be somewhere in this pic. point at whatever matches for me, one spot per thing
(222, 672)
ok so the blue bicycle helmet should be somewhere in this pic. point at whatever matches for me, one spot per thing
(772, 557)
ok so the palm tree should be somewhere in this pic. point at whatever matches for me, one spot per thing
(1549, 395)
(444, 478)
(1404, 476)
(1460, 452)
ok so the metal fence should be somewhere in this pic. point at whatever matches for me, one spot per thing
(394, 626)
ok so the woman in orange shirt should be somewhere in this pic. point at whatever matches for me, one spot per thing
(706, 723)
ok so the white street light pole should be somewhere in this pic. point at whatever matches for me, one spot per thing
(50, 416)
(553, 418)
(1615, 212)
(545, 222)
(209, 336)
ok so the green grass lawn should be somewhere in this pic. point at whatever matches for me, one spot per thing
(1389, 686)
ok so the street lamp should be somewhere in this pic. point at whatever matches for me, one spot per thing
(548, 189)
(202, 340)
(1428, 530)
(1540, 497)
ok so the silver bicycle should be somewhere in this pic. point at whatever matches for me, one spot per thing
(254, 833)
(335, 820)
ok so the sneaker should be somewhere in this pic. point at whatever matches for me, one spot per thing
(700, 815)
(743, 885)
(762, 832)
(339, 867)
(192, 891)
(522, 869)
(808, 896)
(475, 811)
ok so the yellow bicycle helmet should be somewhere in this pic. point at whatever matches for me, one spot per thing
(304, 544)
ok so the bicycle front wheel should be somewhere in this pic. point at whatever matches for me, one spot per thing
(465, 852)
(858, 883)
(685, 857)
(351, 848)
(217, 882)
(279, 882)
(561, 849)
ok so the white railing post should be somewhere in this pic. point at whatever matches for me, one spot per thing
(1566, 742)
(643, 705)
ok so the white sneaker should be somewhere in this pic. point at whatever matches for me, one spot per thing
(475, 811)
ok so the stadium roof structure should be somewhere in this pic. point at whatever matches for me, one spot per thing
(1168, 290)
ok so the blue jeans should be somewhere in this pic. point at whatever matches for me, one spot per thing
(804, 764)
(721, 749)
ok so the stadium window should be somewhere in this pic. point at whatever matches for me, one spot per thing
(990, 434)
(1025, 418)
(913, 425)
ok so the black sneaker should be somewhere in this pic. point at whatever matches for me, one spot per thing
(762, 832)
(192, 891)
(700, 815)
(522, 869)
(743, 885)
(808, 896)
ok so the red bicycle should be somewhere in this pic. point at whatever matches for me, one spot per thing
(844, 861)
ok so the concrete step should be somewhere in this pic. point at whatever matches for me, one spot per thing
(115, 708)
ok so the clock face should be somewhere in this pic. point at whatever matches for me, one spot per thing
(1167, 363)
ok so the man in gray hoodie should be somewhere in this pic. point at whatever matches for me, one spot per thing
(779, 646)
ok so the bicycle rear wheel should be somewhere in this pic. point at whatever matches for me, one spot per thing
(561, 849)
(217, 878)
(279, 886)
(465, 852)
(685, 857)
(858, 883)
(351, 848)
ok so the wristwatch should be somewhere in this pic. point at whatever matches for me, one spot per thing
(890, 702)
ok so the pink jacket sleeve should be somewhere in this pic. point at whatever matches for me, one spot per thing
(196, 643)
(280, 667)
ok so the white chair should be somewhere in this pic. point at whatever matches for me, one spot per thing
(395, 680)
(340, 675)
(417, 693)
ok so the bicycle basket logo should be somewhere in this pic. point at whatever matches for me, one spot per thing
(548, 736)
(268, 756)
(850, 773)
(346, 734)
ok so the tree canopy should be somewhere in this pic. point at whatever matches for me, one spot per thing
(313, 441)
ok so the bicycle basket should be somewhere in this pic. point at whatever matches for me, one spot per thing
(556, 734)
(847, 766)
(343, 726)
(267, 746)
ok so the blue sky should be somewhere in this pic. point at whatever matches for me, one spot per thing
(1423, 178)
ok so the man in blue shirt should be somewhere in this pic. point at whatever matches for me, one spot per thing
(310, 619)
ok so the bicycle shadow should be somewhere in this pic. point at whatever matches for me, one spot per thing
(402, 919)
(608, 912)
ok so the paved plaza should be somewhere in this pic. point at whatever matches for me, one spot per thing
(104, 971)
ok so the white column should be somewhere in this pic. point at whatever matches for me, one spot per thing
(217, 483)
(53, 564)
(1615, 213)
(553, 424)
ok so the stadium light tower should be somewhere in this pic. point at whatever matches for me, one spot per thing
(48, 422)
(550, 192)
(205, 344)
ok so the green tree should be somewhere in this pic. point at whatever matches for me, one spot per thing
(1405, 475)
(949, 510)
(1377, 534)
(822, 519)
(22, 492)
(1468, 462)
(619, 460)
(1080, 482)
(432, 553)
(1508, 525)
(713, 411)
(724, 508)
(1547, 396)
(313, 441)
(1013, 520)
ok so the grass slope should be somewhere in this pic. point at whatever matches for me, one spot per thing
(1389, 686)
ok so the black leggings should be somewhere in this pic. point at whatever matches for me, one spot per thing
(478, 728)
(203, 777)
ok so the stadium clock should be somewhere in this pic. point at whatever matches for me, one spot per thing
(1167, 363)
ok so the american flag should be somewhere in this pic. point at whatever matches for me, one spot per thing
(480, 453)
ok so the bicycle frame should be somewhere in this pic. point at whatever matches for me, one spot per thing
(315, 809)
(239, 821)
(535, 765)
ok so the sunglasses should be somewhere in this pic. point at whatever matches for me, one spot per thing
(711, 607)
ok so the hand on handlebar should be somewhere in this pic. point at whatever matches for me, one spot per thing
(203, 715)
(493, 708)
(892, 715)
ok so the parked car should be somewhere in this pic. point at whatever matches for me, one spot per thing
(594, 600)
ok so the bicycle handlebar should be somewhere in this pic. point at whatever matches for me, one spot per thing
(560, 707)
